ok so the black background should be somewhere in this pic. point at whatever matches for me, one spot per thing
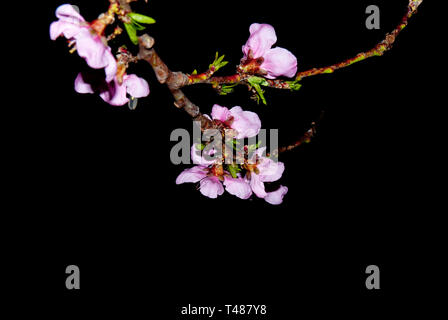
(93, 185)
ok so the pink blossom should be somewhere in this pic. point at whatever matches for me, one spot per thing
(266, 170)
(113, 93)
(210, 175)
(89, 44)
(246, 123)
(276, 61)
(210, 184)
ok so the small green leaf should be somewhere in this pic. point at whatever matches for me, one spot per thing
(200, 146)
(194, 72)
(220, 59)
(294, 85)
(258, 80)
(218, 63)
(234, 169)
(138, 26)
(141, 18)
(132, 32)
(255, 82)
(260, 93)
(227, 88)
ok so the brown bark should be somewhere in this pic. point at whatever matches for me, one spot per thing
(173, 80)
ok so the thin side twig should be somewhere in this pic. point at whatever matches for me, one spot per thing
(378, 50)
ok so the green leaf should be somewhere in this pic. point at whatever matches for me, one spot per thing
(137, 25)
(234, 169)
(255, 82)
(227, 88)
(218, 63)
(141, 18)
(294, 85)
(260, 93)
(132, 32)
(258, 80)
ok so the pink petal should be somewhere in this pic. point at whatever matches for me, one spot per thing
(81, 86)
(276, 197)
(261, 39)
(257, 186)
(269, 170)
(220, 113)
(69, 30)
(211, 187)
(67, 13)
(136, 87)
(91, 48)
(246, 123)
(198, 158)
(238, 187)
(279, 62)
(111, 68)
(115, 94)
(192, 175)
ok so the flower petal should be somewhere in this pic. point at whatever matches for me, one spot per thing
(261, 39)
(220, 113)
(276, 197)
(67, 13)
(211, 187)
(279, 62)
(257, 185)
(69, 30)
(81, 86)
(238, 187)
(111, 68)
(269, 170)
(115, 94)
(192, 175)
(247, 123)
(92, 49)
(136, 86)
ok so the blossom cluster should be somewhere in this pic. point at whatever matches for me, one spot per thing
(241, 180)
(91, 45)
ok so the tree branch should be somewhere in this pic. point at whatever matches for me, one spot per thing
(304, 139)
(174, 81)
(378, 50)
